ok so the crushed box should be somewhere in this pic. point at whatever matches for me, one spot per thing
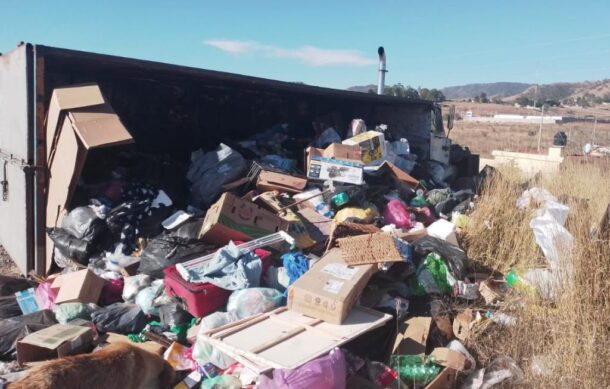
(81, 286)
(330, 289)
(56, 341)
(232, 218)
(270, 180)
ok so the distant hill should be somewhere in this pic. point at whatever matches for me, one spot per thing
(494, 89)
(363, 88)
(561, 91)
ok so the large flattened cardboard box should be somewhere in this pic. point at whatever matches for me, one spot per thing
(330, 289)
(79, 119)
(232, 218)
(56, 341)
(270, 180)
(81, 286)
(341, 163)
(372, 145)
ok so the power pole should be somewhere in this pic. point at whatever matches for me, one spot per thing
(540, 129)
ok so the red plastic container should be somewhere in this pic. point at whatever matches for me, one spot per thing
(202, 299)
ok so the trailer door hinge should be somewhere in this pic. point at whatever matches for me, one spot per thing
(7, 158)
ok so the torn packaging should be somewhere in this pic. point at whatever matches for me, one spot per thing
(79, 119)
(330, 289)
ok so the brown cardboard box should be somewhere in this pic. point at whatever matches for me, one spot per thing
(268, 181)
(330, 289)
(56, 341)
(79, 119)
(81, 286)
(232, 218)
(412, 336)
(399, 175)
(445, 379)
(148, 345)
(341, 163)
(371, 143)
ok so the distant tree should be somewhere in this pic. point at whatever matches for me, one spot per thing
(477, 99)
(399, 90)
(484, 98)
(497, 100)
(372, 91)
(431, 94)
(524, 101)
(606, 98)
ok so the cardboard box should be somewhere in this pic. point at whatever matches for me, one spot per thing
(399, 175)
(372, 145)
(148, 345)
(412, 336)
(56, 341)
(449, 358)
(341, 163)
(268, 181)
(330, 289)
(445, 379)
(79, 119)
(81, 286)
(232, 218)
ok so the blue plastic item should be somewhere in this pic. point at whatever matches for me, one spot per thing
(27, 301)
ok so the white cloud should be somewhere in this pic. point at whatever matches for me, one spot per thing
(308, 55)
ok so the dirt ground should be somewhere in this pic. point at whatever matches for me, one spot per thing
(482, 138)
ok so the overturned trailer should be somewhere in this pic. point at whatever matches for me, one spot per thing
(168, 109)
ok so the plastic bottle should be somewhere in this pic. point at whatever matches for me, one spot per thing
(339, 200)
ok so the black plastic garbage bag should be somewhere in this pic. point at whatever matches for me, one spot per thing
(83, 223)
(11, 285)
(71, 247)
(455, 258)
(172, 248)
(174, 314)
(122, 318)
(9, 307)
(16, 328)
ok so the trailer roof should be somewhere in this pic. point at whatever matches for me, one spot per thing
(125, 63)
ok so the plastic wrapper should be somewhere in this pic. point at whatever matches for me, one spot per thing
(10, 285)
(83, 223)
(396, 213)
(133, 285)
(455, 345)
(173, 314)
(327, 372)
(454, 257)
(221, 382)
(9, 307)
(296, 264)
(45, 296)
(326, 138)
(433, 277)
(71, 247)
(16, 328)
(356, 215)
(70, 311)
(204, 352)
(252, 301)
(210, 171)
(146, 297)
(122, 318)
(112, 292)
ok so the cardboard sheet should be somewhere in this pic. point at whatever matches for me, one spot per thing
(287, 339)
(56, 341)
(78, 119)
(371, 248)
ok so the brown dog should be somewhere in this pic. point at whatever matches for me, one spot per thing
(117, 366)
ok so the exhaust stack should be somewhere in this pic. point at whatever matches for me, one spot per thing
(382, 71)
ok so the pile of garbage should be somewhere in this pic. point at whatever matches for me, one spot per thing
(347, 273)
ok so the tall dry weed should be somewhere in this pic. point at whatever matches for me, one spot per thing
(560, 343)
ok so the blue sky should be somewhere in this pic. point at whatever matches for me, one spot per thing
(428, 43)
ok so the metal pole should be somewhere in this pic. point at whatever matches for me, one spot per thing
(594, 126)
(540, 129)
(382, 71)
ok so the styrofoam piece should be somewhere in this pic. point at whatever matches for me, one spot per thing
(444, 230)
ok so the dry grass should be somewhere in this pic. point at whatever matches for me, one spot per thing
(571, 335)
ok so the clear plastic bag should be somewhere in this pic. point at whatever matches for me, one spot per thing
(252, 301)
